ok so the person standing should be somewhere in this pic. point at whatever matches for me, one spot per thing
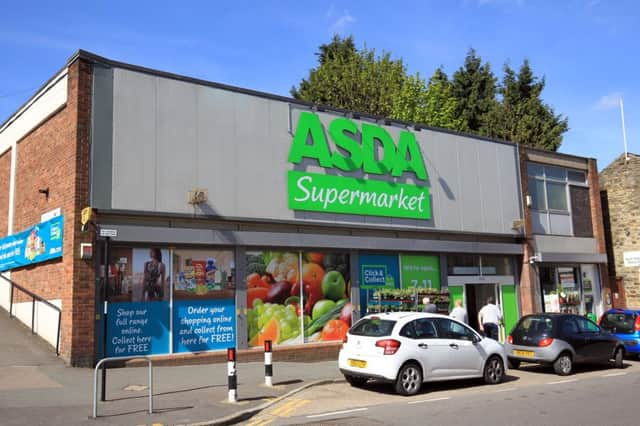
(429, 307)
(489, 319)
(458, 312)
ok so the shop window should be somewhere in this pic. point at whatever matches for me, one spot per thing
(496, 265)
(463, 264)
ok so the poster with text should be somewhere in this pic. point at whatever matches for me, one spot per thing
(203, 325)
(274, 298)
(137, 328)
(420, 271)
(203, 274)
(377, 271)
(326, 290)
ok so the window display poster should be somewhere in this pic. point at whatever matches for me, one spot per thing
(588, 277)
(138, 274)
(377, 271)
(567, 277)
(137, 328)
(203, 325)
(420, 271)
(289, 305)
(275, 301)
(551, 303)
(203, 274)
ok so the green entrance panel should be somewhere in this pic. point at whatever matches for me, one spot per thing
(509, 307)
(455, 292)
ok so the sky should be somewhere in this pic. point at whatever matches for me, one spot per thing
(587, 50)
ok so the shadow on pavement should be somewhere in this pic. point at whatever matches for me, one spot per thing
(288, 382)
(387, 388)
(145, 393)
(577, 368)
(144, 411)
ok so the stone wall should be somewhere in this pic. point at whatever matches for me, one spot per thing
(620, 185)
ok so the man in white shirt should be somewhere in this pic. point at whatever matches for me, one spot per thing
(459, 313)
(489, 319)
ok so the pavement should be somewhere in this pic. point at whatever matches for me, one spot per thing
(37, 388)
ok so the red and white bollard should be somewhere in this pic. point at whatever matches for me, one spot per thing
(268, 366)
(231, 374)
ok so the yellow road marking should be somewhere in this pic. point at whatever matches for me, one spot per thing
(259, 421)
(294, 407)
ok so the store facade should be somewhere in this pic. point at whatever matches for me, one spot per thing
(565, 257)
(223, 217)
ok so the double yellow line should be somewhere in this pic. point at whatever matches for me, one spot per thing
(284, 410)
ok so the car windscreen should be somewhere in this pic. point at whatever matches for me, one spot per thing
(535, 326)
(372, 327)
(618, 322)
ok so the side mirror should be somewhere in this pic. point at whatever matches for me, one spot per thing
(476, 339)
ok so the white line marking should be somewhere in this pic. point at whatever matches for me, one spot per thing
(429, 400)
(614, 374)
(505, 390)
(335, 413)
(563, 381)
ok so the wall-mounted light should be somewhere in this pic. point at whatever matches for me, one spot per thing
(44, 191)
(529, 200)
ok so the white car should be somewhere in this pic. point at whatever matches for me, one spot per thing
(409, 348)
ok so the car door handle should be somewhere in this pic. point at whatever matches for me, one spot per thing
(423, 346)
(453, 345)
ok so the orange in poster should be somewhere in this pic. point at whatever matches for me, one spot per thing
(254, 281)
(313, 274)
(270, 331)
(334, 330)
(315, 257)
(199, 267)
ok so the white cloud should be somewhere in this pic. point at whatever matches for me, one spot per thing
(610, 101)
(340, 24)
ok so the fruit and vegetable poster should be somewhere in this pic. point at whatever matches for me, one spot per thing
(295, 297)
(420, 271)
(137, 328)
(37, 244)
(203, 325)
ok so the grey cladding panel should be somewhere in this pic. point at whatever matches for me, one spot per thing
(134, 141)
(101, 137)
(170, 136)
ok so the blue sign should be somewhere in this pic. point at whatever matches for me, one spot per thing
(137, 328)
(37, 244)
(204, 325)
(378, 271)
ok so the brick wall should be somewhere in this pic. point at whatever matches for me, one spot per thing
(55, 155)
(620, 184)
(528, 295)
(5, 181)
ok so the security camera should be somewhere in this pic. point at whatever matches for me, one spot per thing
(534, 259)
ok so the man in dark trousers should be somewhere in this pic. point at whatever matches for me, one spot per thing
(489, 319)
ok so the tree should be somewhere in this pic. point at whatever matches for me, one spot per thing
(433, 105)
(353, 79)
(521, 116)
(474, 87)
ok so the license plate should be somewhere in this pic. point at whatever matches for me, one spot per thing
(529, 354)
(357, 363)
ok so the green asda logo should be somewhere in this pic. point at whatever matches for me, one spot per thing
(350, 195)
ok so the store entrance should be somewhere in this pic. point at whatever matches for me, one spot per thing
(476, 297)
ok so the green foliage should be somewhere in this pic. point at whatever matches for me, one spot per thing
(361, 81)
(433, 104)
(521, 116)
(474, 87)
(353, 80)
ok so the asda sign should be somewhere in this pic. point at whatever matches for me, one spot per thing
(352, 148)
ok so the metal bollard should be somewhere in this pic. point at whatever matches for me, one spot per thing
(268, 367)
(231, 373)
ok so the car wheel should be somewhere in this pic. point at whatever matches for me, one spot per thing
(618, 358)
(514, 363)
(355, 380)
(409, 379)
(493, 371)
(563, 365)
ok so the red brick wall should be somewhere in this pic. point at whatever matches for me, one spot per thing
(528, 282)
(56, 155)
(598, 224)
(5, 181)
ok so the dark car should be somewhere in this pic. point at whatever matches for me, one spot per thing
(625, 325)
(562, 340)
